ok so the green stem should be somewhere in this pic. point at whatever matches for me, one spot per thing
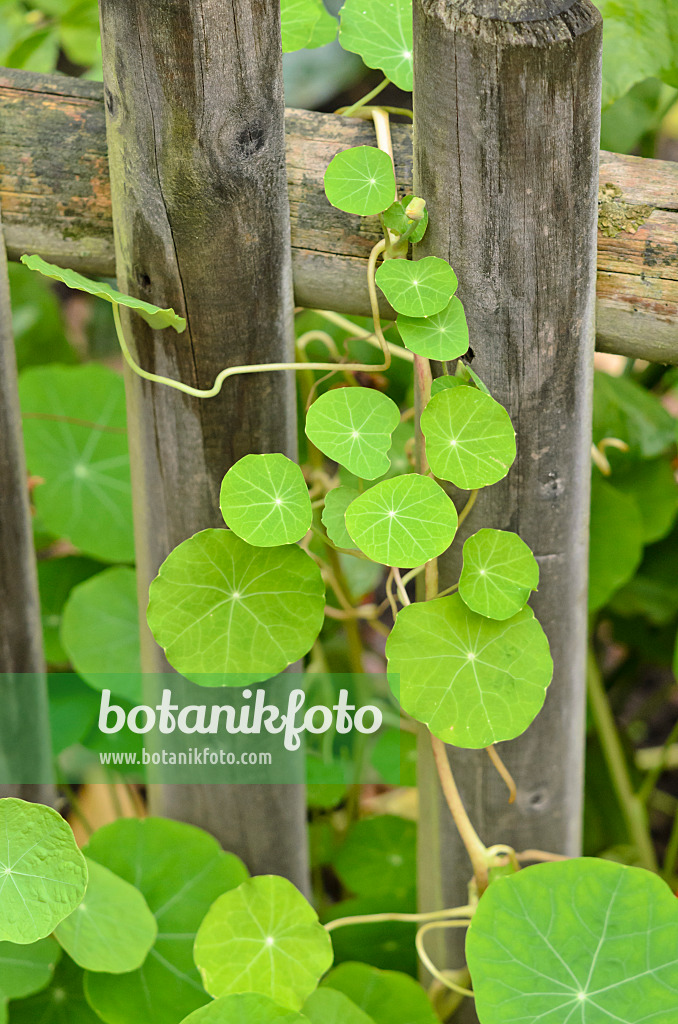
(349, 111)
(652, 778)
(632, 808)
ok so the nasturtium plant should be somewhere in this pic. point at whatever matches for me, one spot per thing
(353, 426)
(62, 1002)
(25, 970)
(330, 1006)
(264, 500)
(473, 681)
(305, 24)
(263, 937)
(403, 522)
(221, 606)
(180, 871)
(385, 996)
(360, 180)
(112, 930)
(74, 427)
(470, 439)
(245, 1008)
(611, 564)
(43, 874)
(334, 515)
(378, 856)
(442, 336)
(417, 288)
(586, 940)
(56, 579)
(381, 32)
(499, 573)
(395, 219)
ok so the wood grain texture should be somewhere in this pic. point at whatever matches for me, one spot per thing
(55, 191)
(195, 122)
(25, 749)
(506, 152)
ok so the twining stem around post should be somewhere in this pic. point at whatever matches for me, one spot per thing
(474, 846)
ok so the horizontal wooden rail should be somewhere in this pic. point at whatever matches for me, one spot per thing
(55, 197)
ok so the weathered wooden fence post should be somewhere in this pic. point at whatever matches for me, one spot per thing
(24, 726)
(507, 105)
(195, 124)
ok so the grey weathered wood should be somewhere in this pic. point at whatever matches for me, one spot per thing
(506, 153)
(195, 123)
(55, 191)
(25, 750)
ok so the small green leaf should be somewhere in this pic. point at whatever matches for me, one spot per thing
(26, 969)
(153, 315)
(112, 930)
(385, 996)
(100, 632)
(245, 1008)
(470, 439)
(73, 710)
(624, 409)
(584, 940)
(219, 605)
(264, 499)
(441, 336)
(353, 426)
(615, 541)
(56, 578)
(652, 484)
(74, 427)
(417, 288)
(62, 1003)
(305, 23)
(378, 857)
(329, 1006)
(385, 944)
(499, 573)
(263, 937)
(360, 180)
(403, 522)
(43, 875)
(397, 220)
(448, 383)
(473, 681)
(180, 871)
(381, 32)
(334, 512)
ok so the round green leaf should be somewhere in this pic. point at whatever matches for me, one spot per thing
(43, 875)
(470, 439)
(220, 606)
(26, 969)
(329, 1006)
(73, 710)
(417, 287)
(180, 871)
(333, 517)
(264, 499)
(100, 632)
(615, 540)
(80, 451)
(112, 930)
(441, 336)
(245, 1008)
(379, 856)
(385, 996)
(360, 180)
(652, 483)
(403, 522)
(385, 944)
(305, 23)
(62, 1003)
(584, 940)
(397, 220)
(56, 578)
(381, 32)
(473, 681)
(263, 937)
(153, 315)
(353, 426)
(499, 573)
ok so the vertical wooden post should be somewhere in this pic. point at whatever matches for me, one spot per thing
(24, 725)
(507, 109)
(195, 123)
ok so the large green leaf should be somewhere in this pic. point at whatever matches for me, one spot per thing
(385, 944)
(388, 997)
(264, 499)
(153, 315)
(334, 513)
(100, 632)
(360, 180)
(112, 930)
(353, 426)
(499, 573)
(640, 41)
(180, 871)
(75, 437)
(56, 579)
(470, 439)
(263, 937)
(25, 970)
(62, 1003)
(43, 875)
(329, 1006)
(442, 336)
(473, 681)
(221, 606)
(305, 23)
(417, 288)
(403, 522)
(652, 485)
(245, 1008)
(381, 32)
(379, 857)
(615, 541)
(624, 409)
(584, 940)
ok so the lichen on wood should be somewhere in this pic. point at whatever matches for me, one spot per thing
(615, 215)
